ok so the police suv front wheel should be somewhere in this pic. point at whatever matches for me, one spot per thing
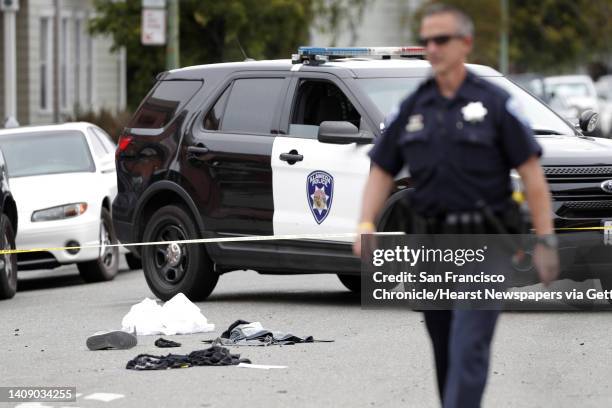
(351, 282)
(172, 266)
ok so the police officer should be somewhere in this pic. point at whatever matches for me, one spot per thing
(459, 136)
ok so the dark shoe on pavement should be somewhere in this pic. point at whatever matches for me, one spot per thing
(118, 340)
(163, 343)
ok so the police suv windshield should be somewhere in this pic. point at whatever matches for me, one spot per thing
(387, 93)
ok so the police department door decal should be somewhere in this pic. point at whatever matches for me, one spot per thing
(319, 193)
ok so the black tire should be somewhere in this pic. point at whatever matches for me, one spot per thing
(606, 284)
(393, 219)
(133, 261)
(351, 282)
(105, 267)
(8, 262)
(191, 272)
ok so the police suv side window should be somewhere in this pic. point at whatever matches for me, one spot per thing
(251, 106)
(318, 101)
(212, 120)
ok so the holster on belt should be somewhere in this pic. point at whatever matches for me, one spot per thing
(482, 220)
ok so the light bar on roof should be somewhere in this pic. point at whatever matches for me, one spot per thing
(347, 52)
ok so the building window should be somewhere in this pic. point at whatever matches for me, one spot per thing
(45, 61)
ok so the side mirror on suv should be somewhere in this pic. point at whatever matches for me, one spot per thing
(341, 132)
(588, 121)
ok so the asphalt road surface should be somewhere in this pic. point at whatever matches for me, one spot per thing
(379, 358)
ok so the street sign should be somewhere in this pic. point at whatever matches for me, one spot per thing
(153, 4)
(9, 5)
(153, 31)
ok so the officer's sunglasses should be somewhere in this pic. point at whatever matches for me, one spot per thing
(438, 39)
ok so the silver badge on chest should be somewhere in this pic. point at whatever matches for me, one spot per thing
(474, 112)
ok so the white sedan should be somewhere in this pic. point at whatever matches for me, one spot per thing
(63, 178)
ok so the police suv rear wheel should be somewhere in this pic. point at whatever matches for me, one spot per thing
(133, 262)
(175, 267)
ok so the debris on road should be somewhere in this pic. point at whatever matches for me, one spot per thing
(260, 366)
(117, 340)
(244, 333)
(213, 356)
(163, 343)
(177, 316)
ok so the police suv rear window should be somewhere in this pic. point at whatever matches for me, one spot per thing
(161, 105)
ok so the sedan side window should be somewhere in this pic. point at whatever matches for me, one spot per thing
(97, 145)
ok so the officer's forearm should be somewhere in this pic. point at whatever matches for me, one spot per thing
(538, 196)
(377, 189)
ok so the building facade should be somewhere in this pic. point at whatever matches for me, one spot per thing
(62, 70)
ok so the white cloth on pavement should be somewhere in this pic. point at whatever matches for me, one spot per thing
(259, 366)
(177, 316)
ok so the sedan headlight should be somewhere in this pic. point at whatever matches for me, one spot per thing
(518, 189)
(60, 212)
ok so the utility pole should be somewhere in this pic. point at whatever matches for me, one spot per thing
(56, 61)
(173, 46)
(10, 8)
(503, 38)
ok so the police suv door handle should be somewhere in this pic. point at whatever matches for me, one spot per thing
(198, 149)
(292, 157)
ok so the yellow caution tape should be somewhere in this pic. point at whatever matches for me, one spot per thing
(200, 241)
(244, 239)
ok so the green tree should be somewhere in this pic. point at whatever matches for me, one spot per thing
(214, 31)
(547, 35)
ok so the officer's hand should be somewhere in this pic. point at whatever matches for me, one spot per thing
(363, 228)
(546, 261)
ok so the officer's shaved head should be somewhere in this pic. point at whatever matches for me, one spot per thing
(465, 25)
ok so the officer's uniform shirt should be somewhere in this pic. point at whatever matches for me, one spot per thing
(458, 151)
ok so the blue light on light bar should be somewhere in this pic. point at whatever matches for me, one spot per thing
(348, 52)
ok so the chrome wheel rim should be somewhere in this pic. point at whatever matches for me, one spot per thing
(170, 260)
(106, 251)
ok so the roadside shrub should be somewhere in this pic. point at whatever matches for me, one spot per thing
(111, 123)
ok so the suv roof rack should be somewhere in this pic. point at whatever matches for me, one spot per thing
(320, 55)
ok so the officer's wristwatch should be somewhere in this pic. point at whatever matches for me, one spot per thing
(549, 241)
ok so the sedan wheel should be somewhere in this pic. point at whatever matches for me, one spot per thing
(105, 267)
(8, 262)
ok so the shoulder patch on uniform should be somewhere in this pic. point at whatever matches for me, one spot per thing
(515, 109)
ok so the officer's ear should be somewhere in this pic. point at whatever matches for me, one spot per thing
(469, 42)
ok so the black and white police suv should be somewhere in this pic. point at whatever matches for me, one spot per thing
(280, 147)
